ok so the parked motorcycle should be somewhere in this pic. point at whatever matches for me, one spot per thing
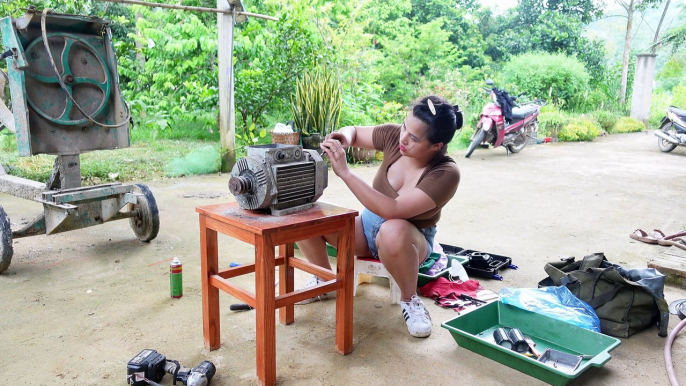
(672, 131)
(504, 123)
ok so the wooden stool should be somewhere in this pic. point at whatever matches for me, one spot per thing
(265, 231)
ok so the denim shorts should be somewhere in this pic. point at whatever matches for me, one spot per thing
(371, 223)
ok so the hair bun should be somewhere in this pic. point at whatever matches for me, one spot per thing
(459, 116)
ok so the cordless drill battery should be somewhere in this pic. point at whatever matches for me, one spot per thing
(148, 363)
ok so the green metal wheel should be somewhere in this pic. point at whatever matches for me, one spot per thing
(82, 69)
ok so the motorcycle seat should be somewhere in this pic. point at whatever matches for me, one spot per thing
(679, 112)
(523, 112)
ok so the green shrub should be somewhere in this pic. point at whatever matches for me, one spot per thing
(679, 95)
(389, 112)
(558, 78)
(606, 119)
(316, 104)
(462, 138)
(673, 72)
(550, 123)
(659, 102)
(628, 125)
(589, 101)
(8, 141)
(581, 129)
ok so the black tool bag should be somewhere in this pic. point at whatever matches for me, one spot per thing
(626, 301)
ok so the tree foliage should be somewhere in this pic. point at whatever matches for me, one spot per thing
(384, 52)
(553, 26)
(268, 58)
(559, 78)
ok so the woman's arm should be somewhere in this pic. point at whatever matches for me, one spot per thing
(356, 136)
(408, 205)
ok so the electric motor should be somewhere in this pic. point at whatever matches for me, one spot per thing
(283, 178)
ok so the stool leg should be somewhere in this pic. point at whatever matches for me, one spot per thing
(344, 298)
(209, 265)
(395, 290)
(286, 283)
(265, 312)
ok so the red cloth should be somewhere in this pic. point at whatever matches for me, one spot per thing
(443, 287)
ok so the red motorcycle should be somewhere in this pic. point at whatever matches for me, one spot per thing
(504, 123)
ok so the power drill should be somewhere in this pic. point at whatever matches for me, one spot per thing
(149, 366)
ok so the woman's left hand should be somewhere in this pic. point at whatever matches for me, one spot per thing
(336, 153)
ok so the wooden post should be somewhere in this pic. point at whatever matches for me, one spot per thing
(227, 114)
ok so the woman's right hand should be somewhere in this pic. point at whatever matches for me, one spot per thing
(340, 137)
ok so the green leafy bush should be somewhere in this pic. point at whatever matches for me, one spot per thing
(388, 112)
(628, 125)
(673, 72)
(589, 101)
(462, 139)
(606, 119)
(659, 102)
(679, 93)
(581, 129)
(551, 122)
(558, 78)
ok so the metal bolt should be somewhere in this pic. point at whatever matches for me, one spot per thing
(84, 61)
(34, 55)
(69, 79)
(84, 129)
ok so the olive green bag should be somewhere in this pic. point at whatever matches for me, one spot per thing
(626, 301)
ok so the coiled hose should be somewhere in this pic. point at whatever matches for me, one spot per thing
(668, 353)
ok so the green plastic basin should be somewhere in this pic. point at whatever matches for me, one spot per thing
(424, 279)
(474, 331)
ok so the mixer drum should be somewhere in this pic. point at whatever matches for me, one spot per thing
(283, 178)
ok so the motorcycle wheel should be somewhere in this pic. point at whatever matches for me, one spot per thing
(519, 143)
(665, 146)
(476, 141)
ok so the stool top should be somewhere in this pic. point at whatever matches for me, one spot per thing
(257, 221)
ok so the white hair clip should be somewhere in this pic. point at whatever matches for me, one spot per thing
(431, 106)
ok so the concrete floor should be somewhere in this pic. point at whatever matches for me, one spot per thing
(75, 307)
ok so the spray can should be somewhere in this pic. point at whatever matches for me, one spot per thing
(176, 278)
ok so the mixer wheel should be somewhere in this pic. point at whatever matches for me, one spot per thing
(82, 69)
(146, 222)
(5, 241)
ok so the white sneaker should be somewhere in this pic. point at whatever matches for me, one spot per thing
(416, 317)
(314, 280)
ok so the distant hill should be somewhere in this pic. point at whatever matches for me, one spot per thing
(612, 29)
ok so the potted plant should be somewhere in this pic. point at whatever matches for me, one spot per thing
(316, 106)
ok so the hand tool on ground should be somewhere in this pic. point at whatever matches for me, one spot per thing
(475, 301)
(200, 375)
(149, 366)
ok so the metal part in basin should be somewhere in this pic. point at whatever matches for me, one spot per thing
(474, 331)
(560, 360)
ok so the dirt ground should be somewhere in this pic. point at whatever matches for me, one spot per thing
(76, 307)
